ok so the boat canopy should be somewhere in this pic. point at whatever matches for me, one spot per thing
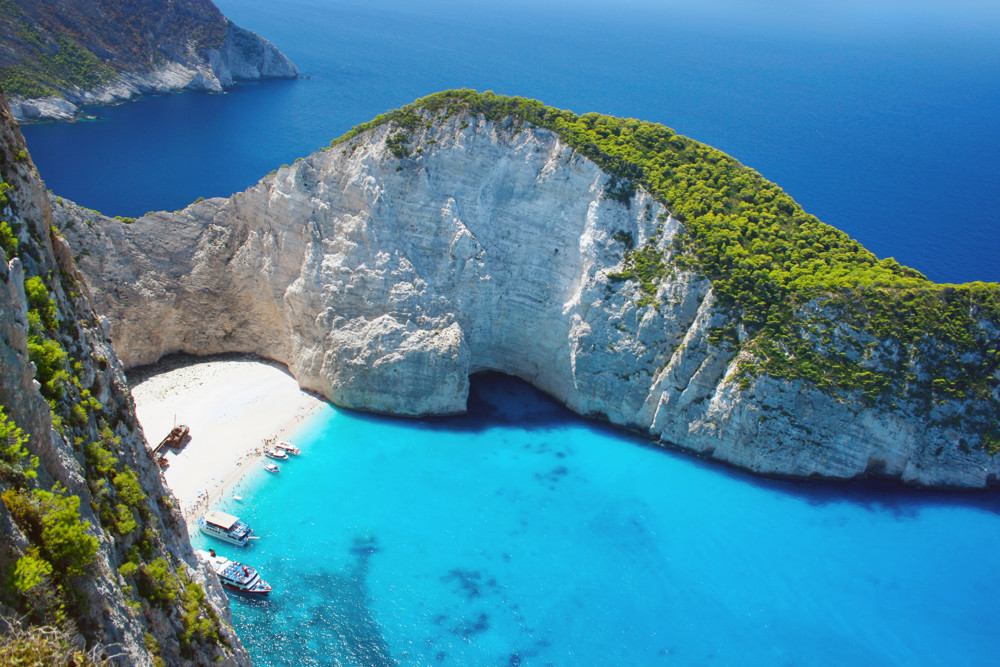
(221, 519)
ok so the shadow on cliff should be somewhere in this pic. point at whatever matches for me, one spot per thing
(177, 360)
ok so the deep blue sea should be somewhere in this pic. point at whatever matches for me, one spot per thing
(879, 116)
(521, 535)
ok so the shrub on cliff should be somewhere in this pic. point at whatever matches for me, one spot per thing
(780, 272)
(43, 645)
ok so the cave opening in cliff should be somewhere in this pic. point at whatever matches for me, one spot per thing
(496, 398)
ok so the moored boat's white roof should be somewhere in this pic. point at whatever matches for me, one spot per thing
(221, 519)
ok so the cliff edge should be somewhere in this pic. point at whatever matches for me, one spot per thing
(91, 541)
(637, 276)
(57, 56)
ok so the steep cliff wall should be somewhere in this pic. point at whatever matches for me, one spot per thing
(386, 269)
(90, 539)
(57, 56)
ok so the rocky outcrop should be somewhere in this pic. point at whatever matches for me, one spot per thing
(384, 270)
(138, 597)
(122, 50)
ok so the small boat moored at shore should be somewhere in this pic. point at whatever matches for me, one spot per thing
(288, 448)
(270, 467)
(235, 575)
(226, 527)
(275, 454)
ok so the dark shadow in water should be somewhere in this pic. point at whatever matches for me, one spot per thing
(496, 399)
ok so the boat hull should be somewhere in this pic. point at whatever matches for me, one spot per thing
(243, 591)
(225, 538)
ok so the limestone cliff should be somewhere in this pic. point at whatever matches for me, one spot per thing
(90, 538)
(387, 268)
(56, 56)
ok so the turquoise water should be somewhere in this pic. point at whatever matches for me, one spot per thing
(523, 535)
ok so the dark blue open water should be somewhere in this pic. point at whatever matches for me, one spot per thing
(520, 534)
(879, 117)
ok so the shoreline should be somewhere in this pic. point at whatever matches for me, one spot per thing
(234, 406)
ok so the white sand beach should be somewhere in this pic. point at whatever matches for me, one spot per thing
(233, 407)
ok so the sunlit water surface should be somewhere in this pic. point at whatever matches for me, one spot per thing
(523, 535)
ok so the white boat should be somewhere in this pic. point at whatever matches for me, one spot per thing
(235, 575)
(275, 454)
(270, 467)
(288, 447)
(226, 527)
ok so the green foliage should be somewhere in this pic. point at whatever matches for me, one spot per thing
(199, 620)
(158, 584)
(61, 549)
(70, 66)
(115, 509)
(125, 522)
(8, 240)
(24, 81)
(50, 361)
(129, 490)
(625, 238)
(101, 460)
(124, 219)
(64, 538)
(723, 336)
(40, 301)
(74, 66)
(152, 645)
(620, 189)
(646, 266)
(78, 415)
(770, 263)
(16, 466)
(397, 145)
(32, 573)
(51, 520)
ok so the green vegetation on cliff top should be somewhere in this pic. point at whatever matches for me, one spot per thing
(46, 49)
(813, 304)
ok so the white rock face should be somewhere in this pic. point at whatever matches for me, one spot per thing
(383, 282)
(243, 56)
(107, 613)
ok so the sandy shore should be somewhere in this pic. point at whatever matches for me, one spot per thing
(234, 408)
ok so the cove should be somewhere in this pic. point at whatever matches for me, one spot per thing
(520, 534)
